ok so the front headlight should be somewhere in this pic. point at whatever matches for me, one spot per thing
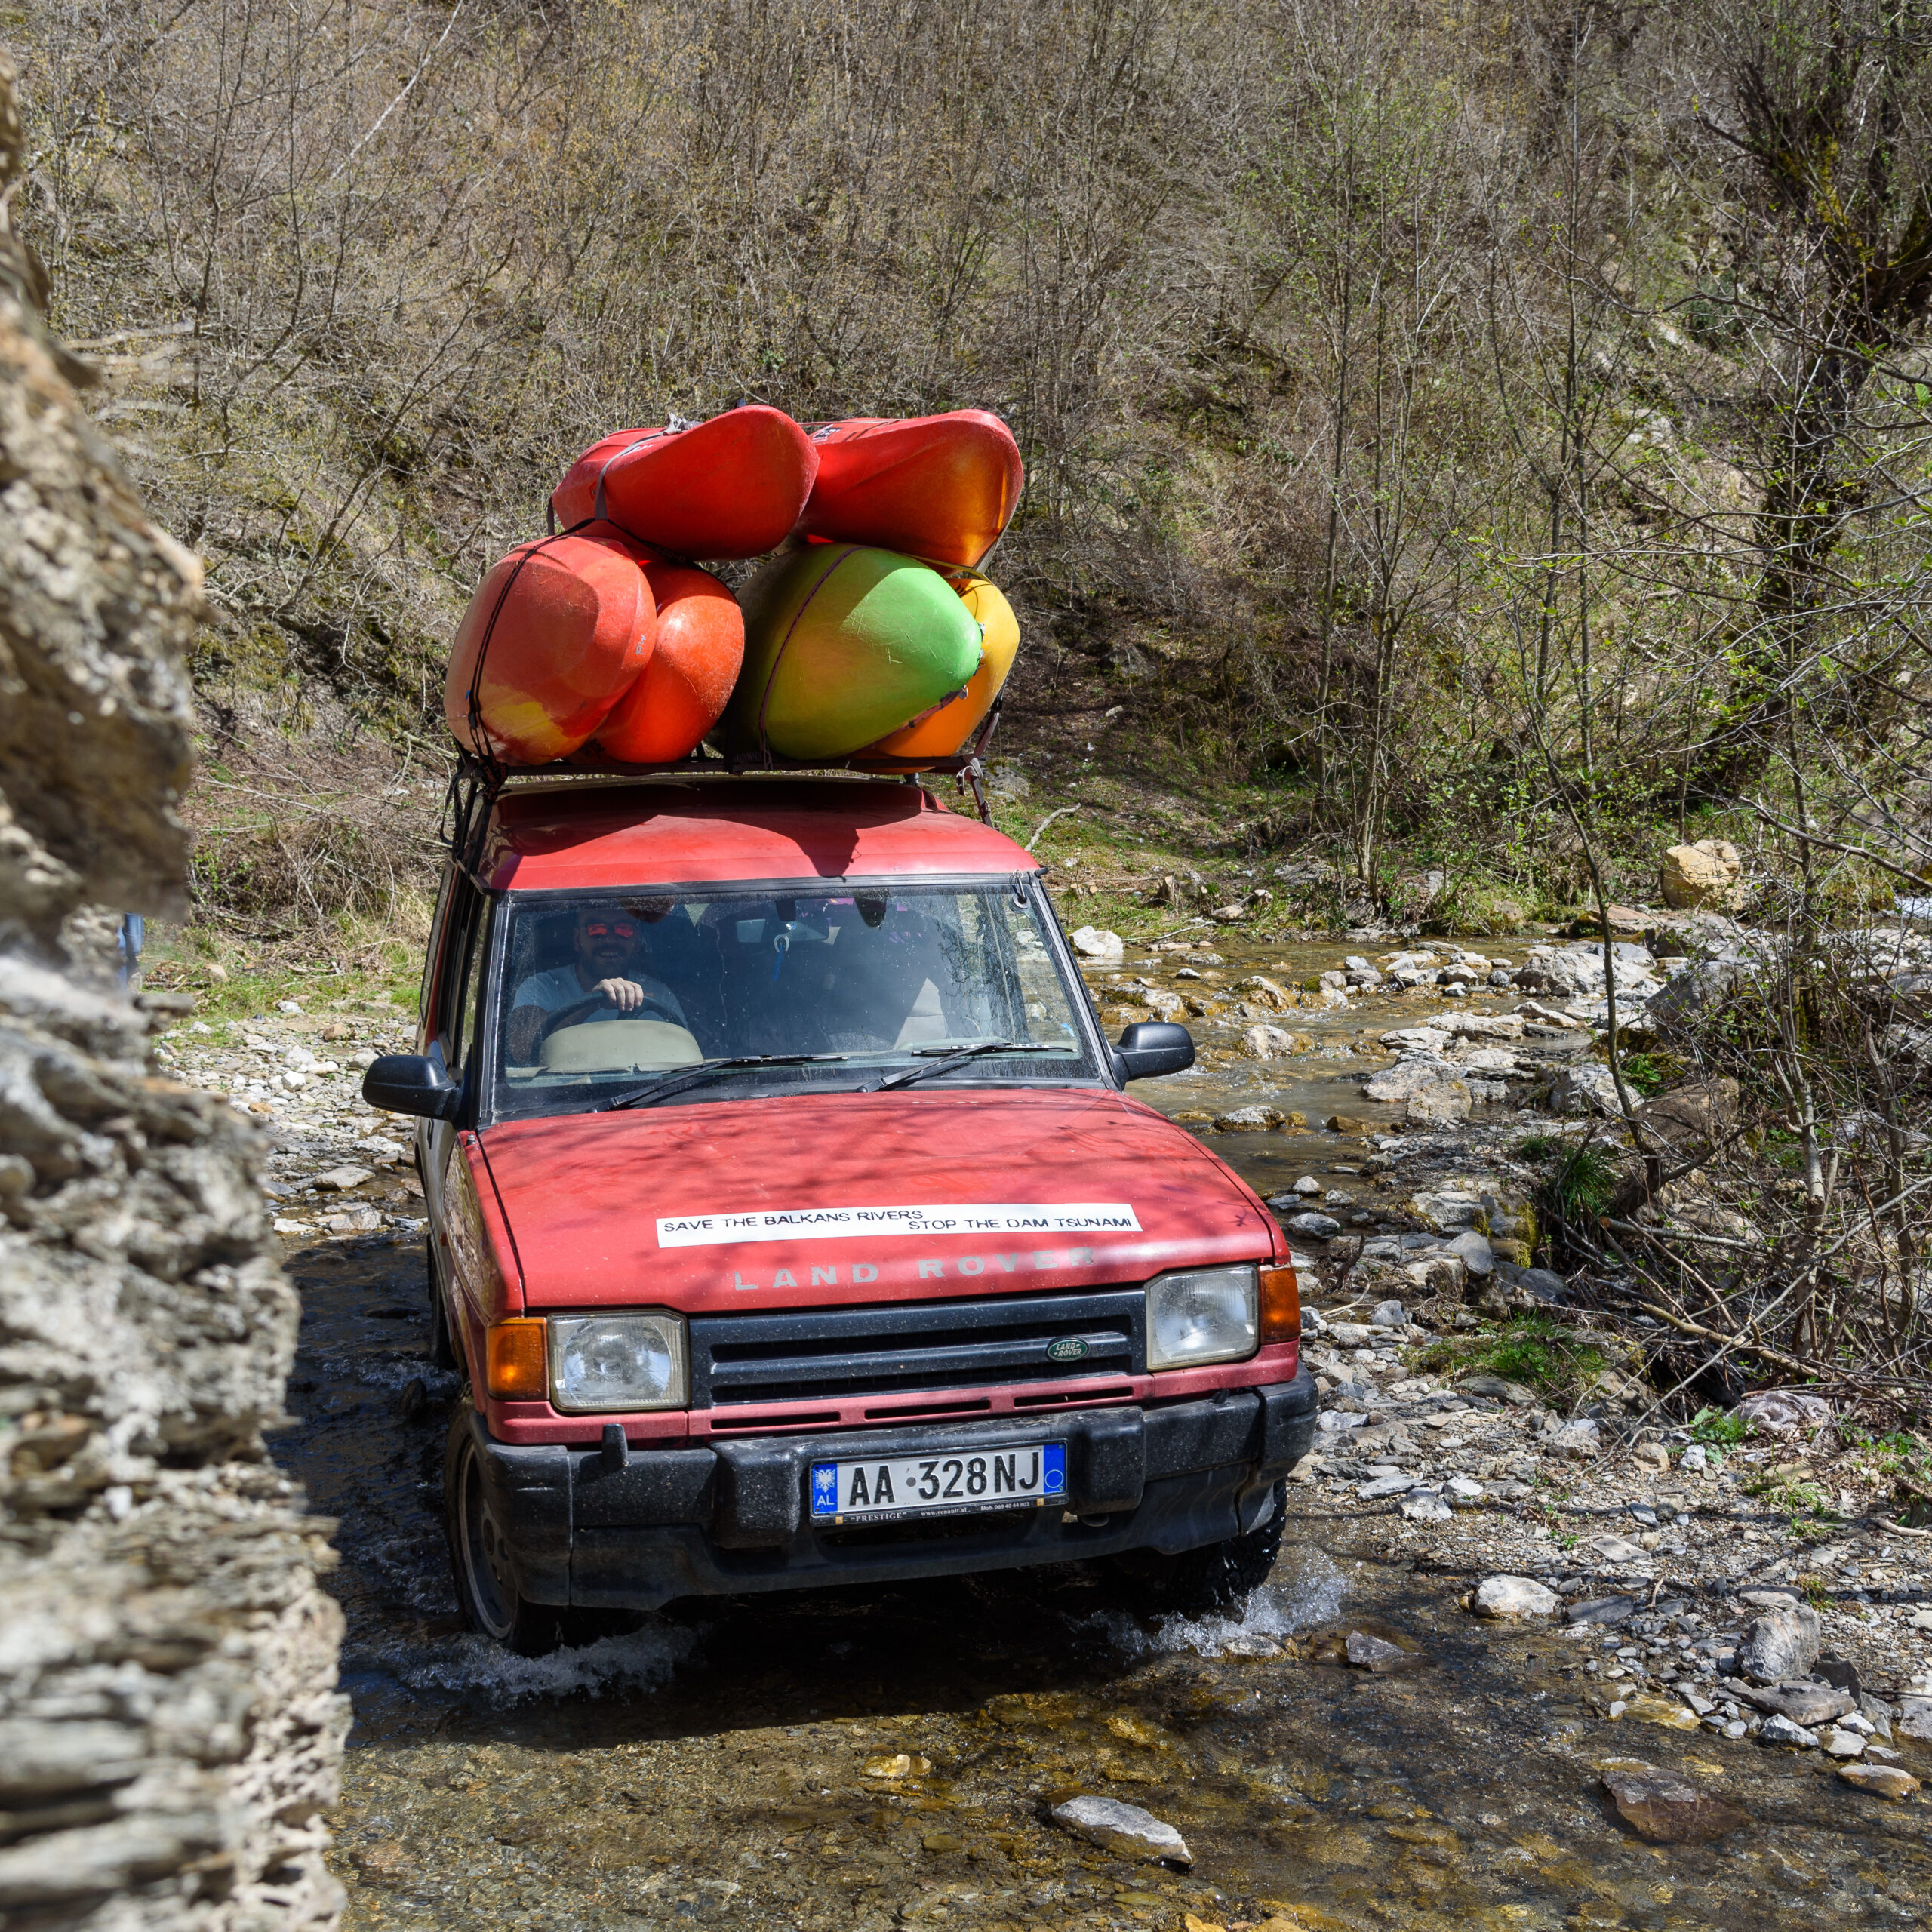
(1202, 1314)
(618, 1361)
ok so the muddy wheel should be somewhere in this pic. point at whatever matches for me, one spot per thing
(1216, 1578)
(442, 1354)
(480, 1555)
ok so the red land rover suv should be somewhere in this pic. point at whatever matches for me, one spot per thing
(789, 1224)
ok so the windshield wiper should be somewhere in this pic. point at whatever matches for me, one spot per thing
(950, 1057)
(695, 1075)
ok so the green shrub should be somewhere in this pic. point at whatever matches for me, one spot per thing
(1582, 1187)
(1533, 1349)
(1722, 1428)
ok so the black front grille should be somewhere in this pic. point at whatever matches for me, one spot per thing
(813, 1354)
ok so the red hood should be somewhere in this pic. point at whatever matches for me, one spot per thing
(629, 1207)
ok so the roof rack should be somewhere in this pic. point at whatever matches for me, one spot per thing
(478, 782)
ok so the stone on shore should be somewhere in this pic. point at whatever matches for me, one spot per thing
(1514, 1596)
(1441, 1101)
(1091, 942)
(1781, 1644)
(1702, 875)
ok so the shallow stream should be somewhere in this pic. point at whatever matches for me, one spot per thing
(734, 1763)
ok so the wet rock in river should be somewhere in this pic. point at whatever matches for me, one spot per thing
(1123, 1829)
(1514, 1596)
(1379, 1656)
(1315, 1227)
(897, 1764)
(1404, 1080)
(1780, 1644)
(1841, 1743)
(1646, 1708)
(1263, 1042)
(339, 1180)
(1666, 1808)
(1881, 1780)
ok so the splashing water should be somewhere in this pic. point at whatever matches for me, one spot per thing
(1306, 1589)
(639, 1660)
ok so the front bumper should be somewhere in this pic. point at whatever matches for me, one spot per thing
(731, 1517)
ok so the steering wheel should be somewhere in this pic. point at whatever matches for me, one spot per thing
(569, 1015)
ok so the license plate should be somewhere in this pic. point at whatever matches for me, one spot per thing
(948, 1483)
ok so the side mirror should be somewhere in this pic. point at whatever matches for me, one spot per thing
(414, 1084)
(1152, 1046)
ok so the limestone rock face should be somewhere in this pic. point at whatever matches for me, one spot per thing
(97, 609)
(170, 1731)
(1702, 875)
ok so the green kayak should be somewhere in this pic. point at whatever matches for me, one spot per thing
(842, 644)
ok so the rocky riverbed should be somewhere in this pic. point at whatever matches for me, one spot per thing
(1362, 1747)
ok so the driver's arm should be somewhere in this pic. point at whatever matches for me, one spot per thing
(523, 1032)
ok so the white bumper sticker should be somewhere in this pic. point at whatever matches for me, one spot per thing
(1061, 1217)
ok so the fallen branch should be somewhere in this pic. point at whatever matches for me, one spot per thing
(1062, 813)
(1762, 1350)
(1684, 1234)
(1900, 1529)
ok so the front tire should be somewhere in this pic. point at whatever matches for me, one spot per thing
(480, 1560)
(1218, 1577)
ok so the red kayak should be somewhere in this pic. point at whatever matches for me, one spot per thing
(557, 634)
(732, 487)
(940, 488)
(682, 691)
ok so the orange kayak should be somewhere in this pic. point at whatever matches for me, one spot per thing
(941, 488)
(945, 730)
(731, 486)
(557, 634)
(682, 692)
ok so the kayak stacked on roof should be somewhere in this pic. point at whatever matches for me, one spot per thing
(870, 629)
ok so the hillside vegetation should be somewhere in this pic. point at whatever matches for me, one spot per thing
(1494, 439)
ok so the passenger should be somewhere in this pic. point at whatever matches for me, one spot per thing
(603, 981)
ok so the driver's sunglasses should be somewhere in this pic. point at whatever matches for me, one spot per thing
(609, 929)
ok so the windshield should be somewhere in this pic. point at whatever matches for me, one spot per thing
(605, 998)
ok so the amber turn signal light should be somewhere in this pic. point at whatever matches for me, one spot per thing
(515, 1368)
(1280, 1306)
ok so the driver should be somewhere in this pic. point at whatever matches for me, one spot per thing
(603, 982)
